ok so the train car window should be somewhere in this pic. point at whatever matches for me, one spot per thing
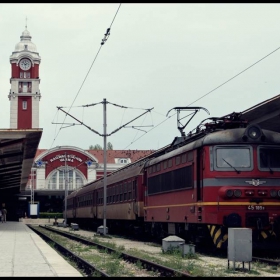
(268, 158)
(121, 192)
(170, 163)
(114, 192)
(165, 164)
(93, 198)
(129, 190)
(125, 192)
(158, 167)
(233, 158)
(100, 195)
(117, 193)
(184, 158)
(190, 156)
(178, 160)
(134, 189)
(154, 169)
(181, 178)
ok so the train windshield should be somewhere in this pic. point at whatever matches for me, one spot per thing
(269, 158)
(234, 157)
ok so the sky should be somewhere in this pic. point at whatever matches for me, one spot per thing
(221, 57)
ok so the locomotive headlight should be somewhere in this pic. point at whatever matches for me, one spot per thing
(253, 132)
(229, 193)
(237, 193)
(273, 193)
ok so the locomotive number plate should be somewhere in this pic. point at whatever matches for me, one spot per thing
(256, 207)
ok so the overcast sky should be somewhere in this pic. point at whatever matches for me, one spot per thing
(157, 56)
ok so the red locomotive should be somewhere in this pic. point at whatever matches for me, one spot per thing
(225, 174)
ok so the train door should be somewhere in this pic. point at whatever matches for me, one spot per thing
(199, 173)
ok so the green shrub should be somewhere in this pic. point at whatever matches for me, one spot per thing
(46, 215)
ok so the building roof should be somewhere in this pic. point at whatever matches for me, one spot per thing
(266, 114)
(17, 151)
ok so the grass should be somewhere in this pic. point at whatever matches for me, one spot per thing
(173, 258)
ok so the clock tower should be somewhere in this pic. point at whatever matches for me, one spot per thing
(24, 94)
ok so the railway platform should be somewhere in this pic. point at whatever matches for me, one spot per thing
(24, 253)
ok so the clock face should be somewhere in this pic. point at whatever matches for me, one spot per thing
(25, 64)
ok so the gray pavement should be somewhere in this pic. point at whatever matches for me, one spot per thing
(24, 253)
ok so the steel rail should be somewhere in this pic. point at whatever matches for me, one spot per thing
(85, 266)
(163, 270)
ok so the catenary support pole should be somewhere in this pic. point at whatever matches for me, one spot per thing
(105, 166)
(66, 190)
(104, 149)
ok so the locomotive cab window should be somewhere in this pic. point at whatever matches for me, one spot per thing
(268, 158)
(233, 158)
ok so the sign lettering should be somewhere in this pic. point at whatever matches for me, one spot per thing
(70, 158)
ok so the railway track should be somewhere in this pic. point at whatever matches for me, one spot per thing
(162, 271)
(267, 261)
(87, 268)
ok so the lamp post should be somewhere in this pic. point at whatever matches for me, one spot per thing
(66, 190)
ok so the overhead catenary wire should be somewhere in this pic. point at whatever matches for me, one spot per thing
(106, 36)
(235, 75)
(209, 92)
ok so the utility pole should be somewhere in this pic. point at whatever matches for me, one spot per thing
(32, 185)
(104, 135)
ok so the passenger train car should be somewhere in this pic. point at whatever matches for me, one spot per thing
(225, 174)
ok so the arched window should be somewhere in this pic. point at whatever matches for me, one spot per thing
(57, 180)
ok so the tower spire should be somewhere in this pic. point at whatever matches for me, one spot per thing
(26, 23)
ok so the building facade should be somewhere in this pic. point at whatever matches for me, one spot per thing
(59, 171)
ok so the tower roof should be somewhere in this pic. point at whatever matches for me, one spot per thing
(25, 40)
(25, 46)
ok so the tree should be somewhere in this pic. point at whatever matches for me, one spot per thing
(109, 146)
(95, 147)
(98, 147)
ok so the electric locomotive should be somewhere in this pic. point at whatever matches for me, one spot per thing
(224, 175)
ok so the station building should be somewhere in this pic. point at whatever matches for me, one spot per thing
(69, 168)
(60, 169)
